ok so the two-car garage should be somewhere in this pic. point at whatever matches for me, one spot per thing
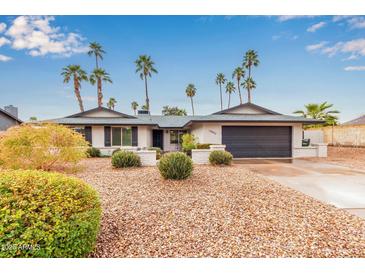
(258, 141)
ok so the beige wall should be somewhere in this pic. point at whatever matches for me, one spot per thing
(101, 113)
(246, 110)
(97, 136)
(144, 136)
(345, 135)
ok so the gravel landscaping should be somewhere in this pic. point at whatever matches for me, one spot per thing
(219, 212)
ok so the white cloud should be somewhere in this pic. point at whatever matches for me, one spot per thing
(354, 68)
(315, 47)
(283, 18)
(338, 18)
(2, 27)
(356, 22)
(4, 41)
(39, 37)
(4, 58)
(316, 27)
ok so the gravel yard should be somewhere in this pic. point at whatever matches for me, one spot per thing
(219, 212)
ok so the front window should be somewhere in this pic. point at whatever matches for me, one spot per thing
(127, 137)
(176, 136)
(116, 136)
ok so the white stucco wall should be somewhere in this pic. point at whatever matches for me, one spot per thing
(101, 113)
(97, 133)
(246, 110)
(167, 146)
(144, 136)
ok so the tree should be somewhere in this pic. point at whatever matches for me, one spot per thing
(173, 111)
(111, 103)
(144, 107)
(97, 50)
(134, 105)
(98, 76)
(190, 92)
(321, 112)
(250, 59)
(145, 67)
(238, 74)
(249, 84)
(33, 118)
(230, 88)
(220, 80)
(78, 75)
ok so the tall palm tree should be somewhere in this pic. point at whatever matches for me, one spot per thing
(134, 105)
(249, 84)
(190, 92)
(238, 74)
(78, 75)
(320, 111)
(97, 50)
(145, 67)
(220, 80)
(98, 76)
(250, 59)
(111, 103)
(230, 88)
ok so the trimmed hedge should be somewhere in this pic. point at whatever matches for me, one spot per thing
(116, 150)
(220, 157)
(93, 152)
(203, 146)
(47, 215)
(124, 158)
(175, 165)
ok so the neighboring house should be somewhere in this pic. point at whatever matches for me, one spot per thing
(356, 122)
(247, 130)
(9, 117)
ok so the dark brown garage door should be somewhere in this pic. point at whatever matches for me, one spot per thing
(256, 141)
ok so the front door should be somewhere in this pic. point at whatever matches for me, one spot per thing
(157, 138)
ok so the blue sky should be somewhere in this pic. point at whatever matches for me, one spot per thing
(303, 60)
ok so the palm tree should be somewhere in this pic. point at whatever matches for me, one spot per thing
(134, 105)
(230, 88)
(145, 68)
(97, 50)
(249, 84)
(190, 92)
(238, 74)
(78, 76)
(250, 59)
(320, 111)
(220, 80)
(99, 76)
(111, 103)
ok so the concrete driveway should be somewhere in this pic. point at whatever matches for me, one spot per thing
(340, 186)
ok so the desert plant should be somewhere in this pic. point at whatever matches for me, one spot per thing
(93, 152)
(125, 158)
(41, 147)
(188, 143)
(175, 165)
(220, 157)
(46, 214)
(203, 146)
(115, 151)
(158, 152)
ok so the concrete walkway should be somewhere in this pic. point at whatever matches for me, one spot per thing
(336, 185)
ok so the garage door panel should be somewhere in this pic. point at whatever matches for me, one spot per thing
(255, 141)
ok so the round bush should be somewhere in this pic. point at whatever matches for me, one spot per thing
(126, 159)
(203, 146)
(115, 151)
(176, 166)
(93, 152)
(220, 157)
(47, 215)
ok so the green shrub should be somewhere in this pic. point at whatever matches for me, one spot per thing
(46, 214)
(158, 152)
(175, 165)
(188, 143)
(203, 146)
(220, 157)
(126, 159)
(93, 152)
(45, 146)
(115, 151)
